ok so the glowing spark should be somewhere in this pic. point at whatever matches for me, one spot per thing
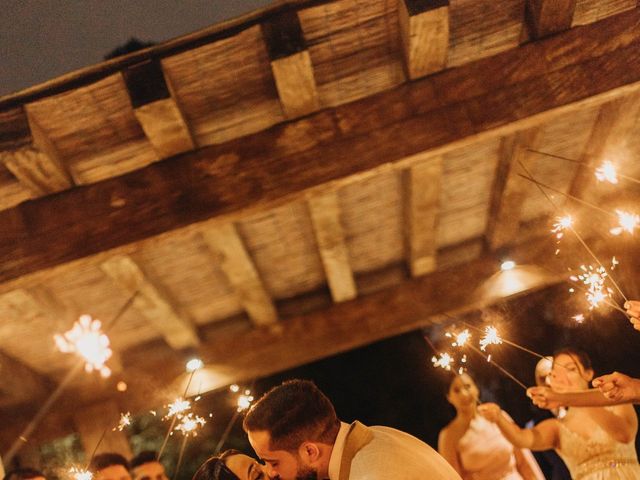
(607, 173)
(491, 337)
(234, 388)
(628, 222)
(189, 424)
(86, 340)
(614, 262)
(178, 407)
(594, 279)
(578, 318)
(153, 412)
(461, 338)
(444, 361)
(562, 224)
(244, 401)
(125, 421)
(80, 474)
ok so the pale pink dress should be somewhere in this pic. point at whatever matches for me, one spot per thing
(485, 454)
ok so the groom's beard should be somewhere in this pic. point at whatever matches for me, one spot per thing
(306, 473)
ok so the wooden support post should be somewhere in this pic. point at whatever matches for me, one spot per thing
(291, 64)
(157, 110)
(424, 27)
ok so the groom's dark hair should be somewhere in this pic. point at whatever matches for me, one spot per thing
(292, 413)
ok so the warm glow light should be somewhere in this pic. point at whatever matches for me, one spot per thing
(244, 401)
(507, 265)
(189, 424)
(578, 318)
(234, 388)
(561, 225)
(125, 421)
(194, 364)
(80, 474)
(121, 386)
(594, 279)
(86, 340)
(178, 407)
(460, 338)
(628, 222)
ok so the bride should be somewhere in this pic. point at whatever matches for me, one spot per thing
(596, 443)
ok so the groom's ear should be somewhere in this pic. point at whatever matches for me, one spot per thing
(309, 451)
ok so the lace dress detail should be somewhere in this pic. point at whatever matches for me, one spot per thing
(598, 458)
(485, 454)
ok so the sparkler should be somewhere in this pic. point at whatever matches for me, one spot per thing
(579, 318)
(491, 337)
(499, 367)
(628, 222)
(243, 402)
(504, 340)
(125, 421)
(443, 360)
(87, 340)
(577, 235)
(80, 474)
(46, 406)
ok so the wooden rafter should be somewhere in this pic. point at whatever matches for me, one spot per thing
(424, 27)
(547, 17)
(291, 64)
(236, 263)
(613, 125)
(157, 110)
(174, 326)
(510, 188)
(325, 216)
(30, 155)
(422, 191)
(493, 97)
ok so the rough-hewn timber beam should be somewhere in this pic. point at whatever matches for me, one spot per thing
(496, 96)
(30, 155)
(424, 28)
(157, 110)
(291, 64)
(509, 189)
(422, 196)
(547, 17)
(178, 331)
(235, 262)
(324, 211)
(608, 138)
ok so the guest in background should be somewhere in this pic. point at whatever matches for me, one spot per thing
(110, 466)
(145, 466)
(230, 465)
(474, 446)
(25, 473)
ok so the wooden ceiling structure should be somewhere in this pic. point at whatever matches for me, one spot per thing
(296, 183)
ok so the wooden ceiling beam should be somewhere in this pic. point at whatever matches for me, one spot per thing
(30, 155)
(424, 31)
(157, 110)
(496, 96)
(291, 64)
(547, 17)
(324, 211)
(611, 131)
(509, 189)
(237, 265)
(174, 326)
(422, 197)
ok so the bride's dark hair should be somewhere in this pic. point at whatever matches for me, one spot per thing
(214, 468)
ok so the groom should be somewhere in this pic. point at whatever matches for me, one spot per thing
(295, 430)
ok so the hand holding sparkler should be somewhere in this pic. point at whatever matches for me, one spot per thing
(633, 310)
(544, 397)
(619, 387)
(490, 411)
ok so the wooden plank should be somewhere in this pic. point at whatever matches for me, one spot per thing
(243, 276)
(177, 330)
(291, 64)
(615, 122)
(547, 17)
(497, 96)
(30, 156)
(424, 28)
(324, 211)
(20, 383)
(510, 189)
(422, 192)
(92, 421)
(157, 110)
